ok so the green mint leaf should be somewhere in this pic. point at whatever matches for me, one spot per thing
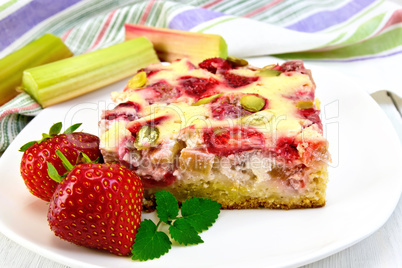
(55, 129)
(53, 174)
(72, 128)
(200, 213)
(184, 233)
(166, 206)
(26, 146)
(149, 243)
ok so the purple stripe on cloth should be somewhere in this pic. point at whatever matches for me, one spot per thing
(28, 16)
(326, 19)
(190, 18)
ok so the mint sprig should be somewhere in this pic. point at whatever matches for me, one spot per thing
(184, 233)
(167, 207)
(200, 213)
(197, 215)
(150, 243)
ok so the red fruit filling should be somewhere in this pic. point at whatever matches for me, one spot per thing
(190, 66)
(162, 92)
(313, 151)
(215, 65)
(196, 86)
(286, 148)
(149, 182)
(124, 151)
(227, 141)
(293, 66)
(123, 111)
(235, 81)
(227, 108)
(149, 72)
(313, 115)
(135, 126)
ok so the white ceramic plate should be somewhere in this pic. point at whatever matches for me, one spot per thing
(365, 185)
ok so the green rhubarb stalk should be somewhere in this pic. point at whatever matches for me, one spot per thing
(175, 44)
(48, 48)
(66, 79)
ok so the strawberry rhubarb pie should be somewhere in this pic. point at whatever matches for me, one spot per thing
(243, 136)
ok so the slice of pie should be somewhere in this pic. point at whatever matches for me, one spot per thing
(243, 136)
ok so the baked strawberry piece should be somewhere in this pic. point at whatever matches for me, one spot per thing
(243, 136)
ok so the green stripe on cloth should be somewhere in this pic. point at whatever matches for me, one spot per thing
(23, 104)
(10, 126)
(335, 40)
(365, 30)
(83, 36)
(7, 4)
(224, 19)
(360, 16)
(14, 116)
(383, 42)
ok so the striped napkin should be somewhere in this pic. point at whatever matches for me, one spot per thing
(360, 38)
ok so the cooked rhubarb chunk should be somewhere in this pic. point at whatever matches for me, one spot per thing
(196, 161)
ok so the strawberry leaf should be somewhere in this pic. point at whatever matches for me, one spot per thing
(55, 129)
(64, 160)
(200, 213)
(26, 146)
(84, 158)
(72, 128)
(53, 174)
(184, 233)
(150, 243)
(45, 136)
(166, 206)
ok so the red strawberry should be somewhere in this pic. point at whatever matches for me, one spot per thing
(227, 107)
(286, 148)
(197, 86)
(236, 81)
(160, 91)
(215, 65)
(293, 66)
(124, 111)
(224, 141)
(313, 115)
(98, 206)
(33, 164)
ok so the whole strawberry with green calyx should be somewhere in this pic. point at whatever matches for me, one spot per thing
(97, 206)
(33, 166)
